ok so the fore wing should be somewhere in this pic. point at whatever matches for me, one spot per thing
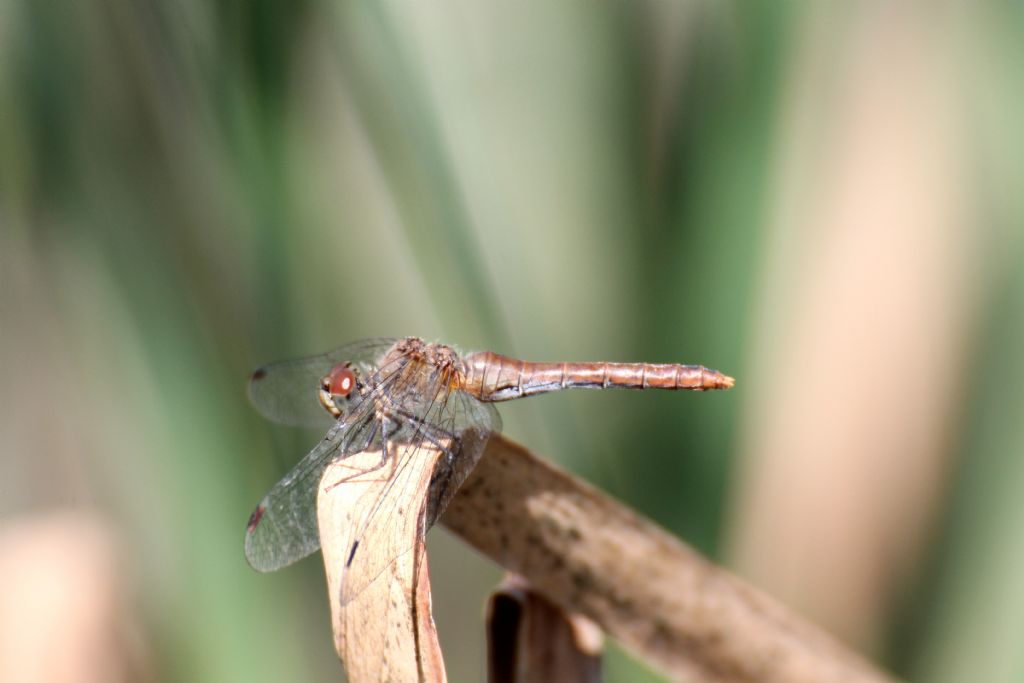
(283, 528)
(286, 392)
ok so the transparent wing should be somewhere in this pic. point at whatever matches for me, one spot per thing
(399, 408)
(453, 422)
(286, 392)
(474, 422)
(283, 527)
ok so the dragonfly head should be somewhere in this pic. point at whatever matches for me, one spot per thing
(335, 388)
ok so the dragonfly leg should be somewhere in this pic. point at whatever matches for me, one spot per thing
(360, 471)
(356, 471)
(442, 440)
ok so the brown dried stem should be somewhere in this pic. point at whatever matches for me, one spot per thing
(672, 608)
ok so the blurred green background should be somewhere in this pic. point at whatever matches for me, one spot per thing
(821, 200)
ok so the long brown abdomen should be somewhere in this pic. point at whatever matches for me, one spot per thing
(490, 376)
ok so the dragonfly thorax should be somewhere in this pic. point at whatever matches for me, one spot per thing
(412, 355)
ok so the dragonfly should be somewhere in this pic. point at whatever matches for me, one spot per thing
(389, 396)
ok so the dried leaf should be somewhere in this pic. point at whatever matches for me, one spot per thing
(383, 629)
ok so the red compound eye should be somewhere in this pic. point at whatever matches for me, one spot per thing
(341, 380)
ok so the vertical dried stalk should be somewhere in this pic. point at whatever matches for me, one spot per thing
(532, 640)
(384, 631)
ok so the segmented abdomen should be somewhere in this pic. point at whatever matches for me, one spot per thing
(491, 376)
